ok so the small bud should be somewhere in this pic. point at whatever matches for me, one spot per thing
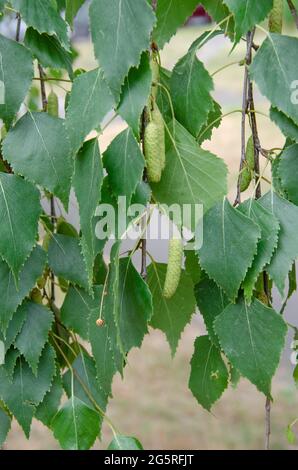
(100, 322)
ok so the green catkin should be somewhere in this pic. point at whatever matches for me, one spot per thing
(53, 104)
(174, 267)
(245, 178)
(157, 118)
(155, 76)
(250, 154)
(154, 145)
(276, 17)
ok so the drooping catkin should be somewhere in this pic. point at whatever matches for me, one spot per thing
(276, 17)
(174, 267)
(53, 104)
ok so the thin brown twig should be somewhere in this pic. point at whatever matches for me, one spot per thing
(144, 219)
(48, 79)
(293, 11)
(267, 423)
(18, 32)
(248, 57)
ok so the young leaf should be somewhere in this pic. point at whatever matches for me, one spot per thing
(194, 105)
(87, 181)
(287, 248)
(266, 246)
(77, 308)
(121, 442)
(209, 375)
(49, 406)
(37, 148)
(16, 73)
(120, 50)
(48, 50)
(277, 85)
(90, 100)
(76, 426)
(192, 175)
(229, 246)
(211, 301)
(5, 423)
(170, 315)
(66, 260)
(38, 321)
(19, 212)
(288, 172)
(125, 163)
(44, 17)
(170, 16)
(286, 124)
(26, 391)
(257, 339)
(11, 296)
(135, 93)
(248, 13)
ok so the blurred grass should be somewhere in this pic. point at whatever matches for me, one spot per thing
(153, 402)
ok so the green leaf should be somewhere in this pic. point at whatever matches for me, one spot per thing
(248, 13)
(90, 101)
(121, 49)
(287, 248)
(11, 296)
(257, 339)
(103, 341)
(192, 266)
(163, 94)
(26, 391)
(135, 93)
(19, 213)
(133, 306)
(77, 308)
(121, 442)
(66, 260)
(48, 408)
(266, 246)
(38, 322)
(192, 107)
(124, 163)
(170, 315)
(170, 16)
(277, 85)
(16, 73)
(43, 16)
(192, 175)
(76, 426)
(85, 373)
(288, 172)
(11, 358)
(5, 423)
(37, 148)
(211, 301)
(286, 125)
(209, 375)
(48, 50)
(229, 247)
(72, 8)
(213, 121)
(87, 181)
(219, 12)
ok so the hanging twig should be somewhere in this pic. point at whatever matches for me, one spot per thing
(144, 219)
(268, 423)
(19, 21)
(293, 11)
(249, 42)
(43, 89)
